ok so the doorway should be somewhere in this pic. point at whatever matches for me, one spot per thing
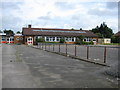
(29, 41)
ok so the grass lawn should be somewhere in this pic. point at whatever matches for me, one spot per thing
(111, 44)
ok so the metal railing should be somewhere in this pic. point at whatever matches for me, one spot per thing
(88, 52)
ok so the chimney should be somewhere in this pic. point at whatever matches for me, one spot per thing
(29, 26)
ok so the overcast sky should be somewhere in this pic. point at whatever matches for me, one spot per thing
(15, 14)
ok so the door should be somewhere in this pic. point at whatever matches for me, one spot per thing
(30, 41)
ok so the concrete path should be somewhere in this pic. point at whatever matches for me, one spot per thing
(26, 67)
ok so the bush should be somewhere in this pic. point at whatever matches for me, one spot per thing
(52, 42)
(79, 39)
(40, 40)
(62, 40)
(114, 39)
(87, 43)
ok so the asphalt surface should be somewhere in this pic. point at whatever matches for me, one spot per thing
(26, 67)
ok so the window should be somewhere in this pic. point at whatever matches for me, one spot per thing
(58, 39)
(85, 40)
(66, 38)
(69, 39)
(94, 40)
(17, 38)
(8, 39)
(3, 39)
(73, 39)
(53, 38)
(11, 39)
(29, 39)
(47, 38)
(21, 38)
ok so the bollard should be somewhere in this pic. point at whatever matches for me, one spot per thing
(66, 49)
(105, 53)
(87, 52)
(75, 50)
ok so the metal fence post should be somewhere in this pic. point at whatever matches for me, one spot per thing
(87, 52)
(75, 50)
(42, 45)
(37, 45)
(45, 46)
(49, 46)
(59, 48)
(66, 49)
(53, 46)
(105, 53)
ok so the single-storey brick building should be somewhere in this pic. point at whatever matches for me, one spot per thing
(18, 39)
(6, 38)
(30, 35)
(2, 38)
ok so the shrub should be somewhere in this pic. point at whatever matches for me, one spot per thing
(87, 43)
(40, 40)
(79, 39)
(62, 40)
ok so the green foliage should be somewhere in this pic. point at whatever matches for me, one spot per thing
(52, 42)
(103, 31)
(62, 40)
(80, 28)
(79, 39)
(111, 44)
(87, 43)
(115, 39)
(18, 32)
(40, 40)
(72, 29)
(8, 31)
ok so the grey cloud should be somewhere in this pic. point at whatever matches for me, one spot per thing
(11, 5)
(75, 17)
(105, 12)
(64, 5)
(112, 5)
(11, 23)
(47, 17)
(44, 18)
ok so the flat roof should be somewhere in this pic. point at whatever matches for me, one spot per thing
(18, 35)
(2, 33)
